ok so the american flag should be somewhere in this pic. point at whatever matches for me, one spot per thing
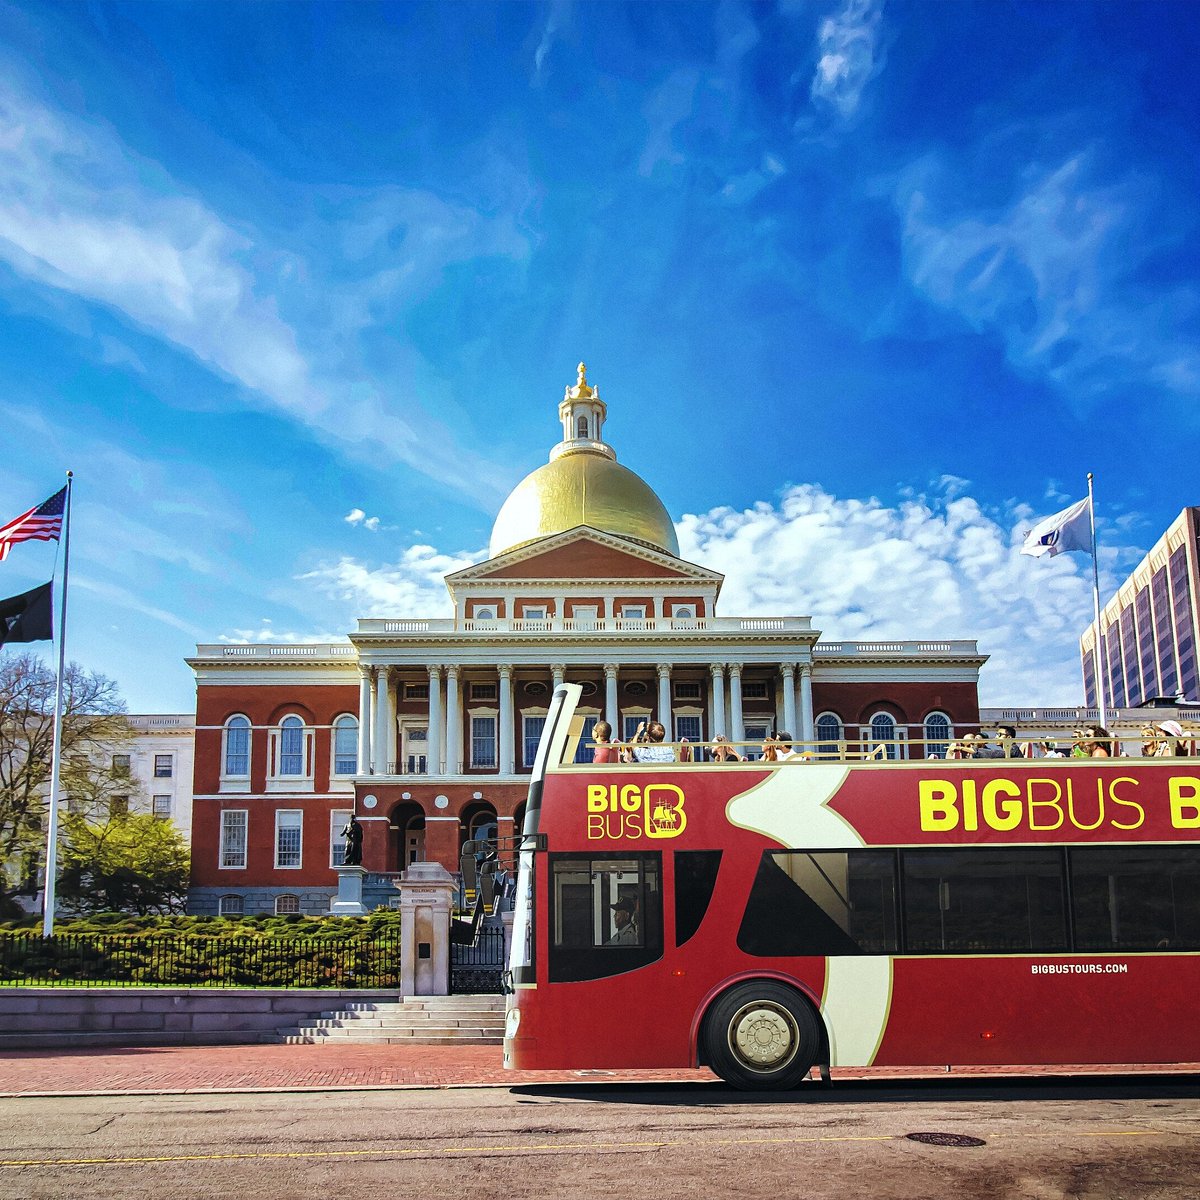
(43, 523)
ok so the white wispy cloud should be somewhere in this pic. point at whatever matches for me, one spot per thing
(1050, 271)
(851, 56)
(81, 213)
(932, 566)
(356, 516)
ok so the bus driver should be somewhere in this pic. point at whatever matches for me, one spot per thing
(627, 934)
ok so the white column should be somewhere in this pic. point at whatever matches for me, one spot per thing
(364, 721)
(789, 698)
(434, 743)
(507, 766)
(453, 723)
(611, 715)
(718, 696)
(807, 732)
(558, 672)
(381, 720)
(664, 699)
(737, 727)
(393, 731)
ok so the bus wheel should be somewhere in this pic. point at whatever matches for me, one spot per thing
(762, 1036)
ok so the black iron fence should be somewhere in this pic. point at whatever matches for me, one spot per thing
(131, 960)
(476, 967)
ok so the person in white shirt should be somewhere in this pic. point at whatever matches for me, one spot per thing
(783, 747)
(647, 747)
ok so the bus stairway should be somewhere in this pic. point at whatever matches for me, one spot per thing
(412, 1021)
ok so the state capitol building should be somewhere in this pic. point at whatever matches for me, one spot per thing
(426, 728)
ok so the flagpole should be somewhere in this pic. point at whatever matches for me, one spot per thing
(1101, 670)
(48, 890)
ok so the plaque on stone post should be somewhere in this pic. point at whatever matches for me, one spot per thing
(426, 904)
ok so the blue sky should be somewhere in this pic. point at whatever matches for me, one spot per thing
(295, 290)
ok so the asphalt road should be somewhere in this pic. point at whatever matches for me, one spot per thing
(1135, 1137)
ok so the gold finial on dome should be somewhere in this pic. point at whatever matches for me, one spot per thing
(582, 390)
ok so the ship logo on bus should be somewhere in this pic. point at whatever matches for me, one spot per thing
(616, 811)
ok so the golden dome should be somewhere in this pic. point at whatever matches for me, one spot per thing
(582, 487)
(582, 484)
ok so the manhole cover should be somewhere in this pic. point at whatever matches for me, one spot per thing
(945, 1139)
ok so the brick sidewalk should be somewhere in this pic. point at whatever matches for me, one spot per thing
(182, 1069)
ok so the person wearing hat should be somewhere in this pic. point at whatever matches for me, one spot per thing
(1172, 745)
(627, 932)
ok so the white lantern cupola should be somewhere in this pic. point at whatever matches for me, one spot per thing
(582, 413)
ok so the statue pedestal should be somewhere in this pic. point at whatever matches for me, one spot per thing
(426, 898)
(349, 902)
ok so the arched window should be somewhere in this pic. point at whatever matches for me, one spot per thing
(830, 731)
(581, 427)
(938, 732)
(231, 906)
(286, 904)
(883, 732)
(291, 746)
(345, 745)
(237, 748)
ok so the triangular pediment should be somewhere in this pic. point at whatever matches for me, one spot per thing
(582, 554)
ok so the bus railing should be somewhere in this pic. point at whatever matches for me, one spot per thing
(972, 748)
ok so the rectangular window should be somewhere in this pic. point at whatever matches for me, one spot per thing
(1130, 676)
(289, 830)
(984, 901)
(1160, 604)
(823, 902)
(231, 906)
(483, 741)
(686, 691)
(416, 691)
(633, 612)
(605, 914)
(535, 613)
(286, 904)
(1136, 898)
(483, 691)
(630, 723)
(533, 732)
(164, 766)
(118, 806)
(689, 727)
(756, 734)
(754, 689)
(161, 807)
(345, 747)
(337, 839)
(121, 763)
(233, 837)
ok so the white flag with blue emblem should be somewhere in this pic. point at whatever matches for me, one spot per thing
(1070, 529)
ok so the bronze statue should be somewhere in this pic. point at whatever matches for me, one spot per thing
(353, 833)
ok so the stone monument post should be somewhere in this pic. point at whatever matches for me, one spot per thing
(426, 901)
(349, 902)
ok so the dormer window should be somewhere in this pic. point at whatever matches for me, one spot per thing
(484, 613)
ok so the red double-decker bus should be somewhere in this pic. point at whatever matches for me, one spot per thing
(763, 919)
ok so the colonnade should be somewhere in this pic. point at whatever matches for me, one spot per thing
(379, 752)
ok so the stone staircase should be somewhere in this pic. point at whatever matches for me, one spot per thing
(413, 1021)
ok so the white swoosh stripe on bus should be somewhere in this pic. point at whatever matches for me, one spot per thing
(855, 1005)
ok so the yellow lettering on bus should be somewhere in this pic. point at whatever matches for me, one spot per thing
(597, 798)
(1006, 815)
(1184, 791)
(631, 797)
(970, 806)
(1141, 812)
(595, 827)
(1053, 802)
(937, 799)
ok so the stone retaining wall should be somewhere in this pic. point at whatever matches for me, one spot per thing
(39, 1017)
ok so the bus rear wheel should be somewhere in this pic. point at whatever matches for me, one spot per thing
(762, 1037)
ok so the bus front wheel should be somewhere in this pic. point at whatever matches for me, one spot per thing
(762, 1036)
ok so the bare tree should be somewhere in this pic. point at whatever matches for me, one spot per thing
(93, 722)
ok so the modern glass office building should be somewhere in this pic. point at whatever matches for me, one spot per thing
(1148, 629)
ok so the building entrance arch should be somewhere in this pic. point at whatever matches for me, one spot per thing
(407, 828)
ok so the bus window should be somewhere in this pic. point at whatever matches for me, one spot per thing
(841, 902)
(695, 878)
(605, 914)
(974, 901)
(1136, 898)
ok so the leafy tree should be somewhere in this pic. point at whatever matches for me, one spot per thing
(130, 862)
(93, 725)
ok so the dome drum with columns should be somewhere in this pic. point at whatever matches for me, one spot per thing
(425, 727)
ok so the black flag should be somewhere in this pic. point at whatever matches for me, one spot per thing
(28, 617)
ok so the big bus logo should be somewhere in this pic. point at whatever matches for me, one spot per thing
(616, 811)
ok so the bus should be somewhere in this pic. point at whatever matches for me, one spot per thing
(763, 919)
